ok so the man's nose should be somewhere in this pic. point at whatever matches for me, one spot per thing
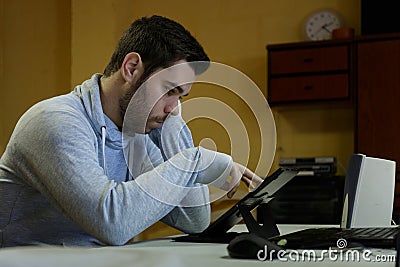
(172, 108)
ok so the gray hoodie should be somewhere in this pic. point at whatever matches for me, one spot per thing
(64, 179)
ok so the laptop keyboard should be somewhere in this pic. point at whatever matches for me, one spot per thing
(325, 237)
(376, 233)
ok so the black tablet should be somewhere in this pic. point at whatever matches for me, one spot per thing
(217, 232)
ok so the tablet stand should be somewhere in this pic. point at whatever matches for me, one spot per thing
(268, 228)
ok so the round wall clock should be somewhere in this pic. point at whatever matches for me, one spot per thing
(320, 24)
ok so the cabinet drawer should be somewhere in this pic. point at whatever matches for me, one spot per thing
(313, 87)
(309, 60)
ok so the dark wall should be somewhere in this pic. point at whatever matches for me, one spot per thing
(379, 16)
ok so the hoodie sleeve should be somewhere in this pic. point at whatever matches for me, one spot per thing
(57, 153)
(174, 137)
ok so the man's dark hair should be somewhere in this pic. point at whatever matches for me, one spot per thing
(160, 42)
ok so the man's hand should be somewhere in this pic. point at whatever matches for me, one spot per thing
(240, 172)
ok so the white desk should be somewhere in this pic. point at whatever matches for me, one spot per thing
(160, 252)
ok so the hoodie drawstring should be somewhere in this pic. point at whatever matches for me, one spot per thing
(103, 141)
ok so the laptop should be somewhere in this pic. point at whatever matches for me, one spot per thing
(323, 238)
(217, 232)
(367, 210)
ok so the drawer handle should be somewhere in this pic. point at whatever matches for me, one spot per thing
(308, 60)
(308, 87)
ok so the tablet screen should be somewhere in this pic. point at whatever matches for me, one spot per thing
(266, 189)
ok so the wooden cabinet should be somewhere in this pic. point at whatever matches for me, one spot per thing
(378, 101)
(364, 70)
(306, 72)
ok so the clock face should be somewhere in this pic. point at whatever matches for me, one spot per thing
(320, 25)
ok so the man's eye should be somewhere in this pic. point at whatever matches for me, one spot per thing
(171, 92)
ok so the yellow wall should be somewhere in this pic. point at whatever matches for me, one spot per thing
(49, 46)
(35, 56)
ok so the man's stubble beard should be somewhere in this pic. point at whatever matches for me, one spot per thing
(141, 109)
(126, 98)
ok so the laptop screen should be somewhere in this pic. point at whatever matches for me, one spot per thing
(368, 192)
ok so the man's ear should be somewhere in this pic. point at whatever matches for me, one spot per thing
(132, 67)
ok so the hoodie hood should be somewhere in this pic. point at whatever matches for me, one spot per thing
(89, 93)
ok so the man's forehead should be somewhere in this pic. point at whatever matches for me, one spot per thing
(178, 74)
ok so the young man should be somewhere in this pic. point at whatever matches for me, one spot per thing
(64, 177)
